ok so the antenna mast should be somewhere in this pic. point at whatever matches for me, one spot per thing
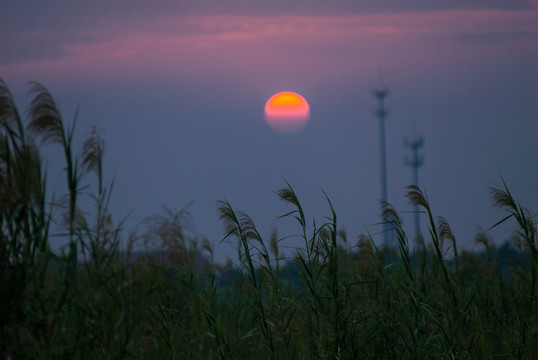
(381, 93)
(416, 162)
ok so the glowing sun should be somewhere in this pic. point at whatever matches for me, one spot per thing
(287, 112)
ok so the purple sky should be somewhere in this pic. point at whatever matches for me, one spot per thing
(178, 88)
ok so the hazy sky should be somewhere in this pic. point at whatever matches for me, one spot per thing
(178, 88)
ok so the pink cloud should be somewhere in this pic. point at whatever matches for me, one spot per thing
(259, 48)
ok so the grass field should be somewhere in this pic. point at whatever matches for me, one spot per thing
(334, 298)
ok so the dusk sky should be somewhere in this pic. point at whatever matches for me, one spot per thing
(178, 89)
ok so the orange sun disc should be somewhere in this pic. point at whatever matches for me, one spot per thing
(287, 112)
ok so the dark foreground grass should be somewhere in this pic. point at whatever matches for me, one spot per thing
(330, 300)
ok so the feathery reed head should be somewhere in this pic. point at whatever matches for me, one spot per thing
(502, 198)
(482, 238)
(416, 197)
(45, 117)
(443, 228)
(8, 110)
(248, 226)
(228, 216)
(366, 250)
(273, 243)
(388, 212)
(168, 232)
(92, 151)
(287, 194)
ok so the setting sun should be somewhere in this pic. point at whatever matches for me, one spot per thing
(287, 112)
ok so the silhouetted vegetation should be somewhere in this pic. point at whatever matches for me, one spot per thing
(333, 299)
